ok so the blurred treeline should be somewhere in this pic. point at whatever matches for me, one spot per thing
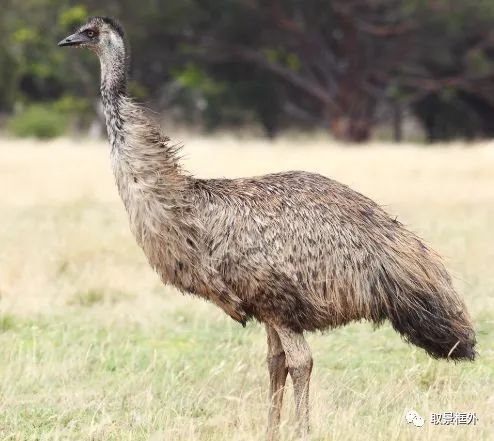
(352, 66)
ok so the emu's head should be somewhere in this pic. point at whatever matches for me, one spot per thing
(103, 35)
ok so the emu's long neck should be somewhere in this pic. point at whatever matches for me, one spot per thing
(145, 165)
(113, 89)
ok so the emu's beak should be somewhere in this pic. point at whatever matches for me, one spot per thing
(74, 39)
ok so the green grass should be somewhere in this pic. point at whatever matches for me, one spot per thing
(7, 322)
(67, 378)
(92, 347)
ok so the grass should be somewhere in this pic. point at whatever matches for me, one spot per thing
(93, 347)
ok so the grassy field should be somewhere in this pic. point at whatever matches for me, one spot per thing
(92, 347)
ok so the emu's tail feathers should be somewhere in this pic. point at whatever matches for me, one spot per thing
(418, 298)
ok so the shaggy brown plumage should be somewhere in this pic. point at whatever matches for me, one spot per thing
(296, 251)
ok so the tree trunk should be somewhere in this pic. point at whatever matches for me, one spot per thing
(397, 122)
(347, 129)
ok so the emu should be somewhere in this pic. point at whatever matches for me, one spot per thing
(296, 251)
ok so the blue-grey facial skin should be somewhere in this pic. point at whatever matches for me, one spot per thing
(79, 38)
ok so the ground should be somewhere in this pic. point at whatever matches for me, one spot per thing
(93, 347)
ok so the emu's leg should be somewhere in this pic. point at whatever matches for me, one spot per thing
(299, 360)
(277, 377)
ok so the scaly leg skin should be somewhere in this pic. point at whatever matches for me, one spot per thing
(299, 360)
(278, 371)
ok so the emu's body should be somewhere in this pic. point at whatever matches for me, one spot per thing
(296, 251)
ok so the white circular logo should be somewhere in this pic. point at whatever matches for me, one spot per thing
(414, 418)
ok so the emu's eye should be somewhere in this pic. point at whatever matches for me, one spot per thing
(90, 33)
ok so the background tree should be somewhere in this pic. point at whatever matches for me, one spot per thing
(346, 65)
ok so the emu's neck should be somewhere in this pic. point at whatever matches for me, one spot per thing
(146, 168)
(114, 72)
(113, 89)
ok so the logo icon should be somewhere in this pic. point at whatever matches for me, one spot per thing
(414, 418)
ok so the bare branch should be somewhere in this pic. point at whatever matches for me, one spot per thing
(386, 31)
(310, 87)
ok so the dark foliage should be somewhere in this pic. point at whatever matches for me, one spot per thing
(349, 65)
